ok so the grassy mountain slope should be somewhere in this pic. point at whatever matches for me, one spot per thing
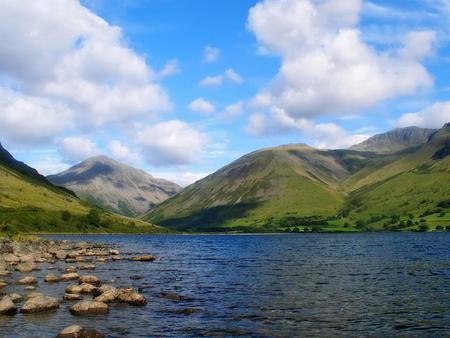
(114, 186)
(259, 190)
(298, 186)
(29, 203)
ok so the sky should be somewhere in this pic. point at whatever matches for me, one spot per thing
(180, 88)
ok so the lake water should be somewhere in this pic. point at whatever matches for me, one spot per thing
(373, 284)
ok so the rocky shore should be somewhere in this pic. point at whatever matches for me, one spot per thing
(72, 263)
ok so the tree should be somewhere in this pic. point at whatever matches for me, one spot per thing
(93, 217)
(423, 227)
(439, 227)
(66, 215)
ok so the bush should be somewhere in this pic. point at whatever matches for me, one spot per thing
(66, 215)
(439, 227)
(93, 217)
(424, 227)
(360, 224)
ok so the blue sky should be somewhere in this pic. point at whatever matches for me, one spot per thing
(180, 88)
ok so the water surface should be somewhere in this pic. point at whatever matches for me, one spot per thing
(373, 284)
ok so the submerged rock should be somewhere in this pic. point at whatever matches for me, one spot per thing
(89, 308)
(72, 297)
(76, 331)
(146, 258)
(90, 279)
(51, 278)
(40, 304)
(29, 280)
(7, 306)
(131, 297)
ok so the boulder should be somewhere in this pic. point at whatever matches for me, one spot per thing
(114, 252)
(51, 278)
(146, 258)
(107, 296)
(30, 288)
(25, 267)
(71, 269)
(29, 280)
(69, 276)
(87, 288)
(90, 279)
(76, 331)
(89, 308)
(2, 285)
(10, 258)
(86, 266)
(72, 296)
(7, 306)
(74, 289)
(61, 255)
(40, 304)
(15, 297)
(131, 297)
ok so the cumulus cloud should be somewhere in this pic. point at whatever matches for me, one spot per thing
(234, 110)
(200, 105)
(322, 135)
(121, 152)
(210, 54)
(211, 81)
(172, 67)
(171, 143)
(66, 59)
(327, 68)
(434, 116)
(183, 178)
(77, 149)
(231, 75)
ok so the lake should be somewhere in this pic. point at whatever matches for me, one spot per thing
(360, 284)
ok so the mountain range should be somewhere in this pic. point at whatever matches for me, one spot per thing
(30, 203)
(115, 186)
(389, 179)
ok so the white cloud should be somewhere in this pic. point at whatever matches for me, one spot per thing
(322, 135)
(77, 149)
(171, 143)
(211, 81)
(49, 166)
(200, 105)
(231, 75)
(434, 116)
(327, 68)
(210, 54)
(234, 110)
(172, 67)
(65, 58)
(122, 153)
(28, 120)
(183, 178)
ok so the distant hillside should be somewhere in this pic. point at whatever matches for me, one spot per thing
(296, 187)
(395, 140)
(29, 203)
(115, 186)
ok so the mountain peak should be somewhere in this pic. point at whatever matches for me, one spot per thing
(395, 140)
(115, 186)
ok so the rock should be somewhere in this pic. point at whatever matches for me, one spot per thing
(61, 255)
(74, 289)
(40, 304)
(131, 297)
(72, 297)
(15, 297)
(69, 276)
(89, 308)
(2, 285)
(143, 259)
(101, 260)
(90, 279)
(29, 280)
(25, 267)
(135, 277)
(7, 307)
(114, 252)
(87, 288)
(35, 294)
(4, 273)
(116, 258)
(76, 331)
(107, 296)
(186, 312)
(71, 269)
(10, 258)
(172, 296)
(51, 278)
(30, 288)
(86, 266)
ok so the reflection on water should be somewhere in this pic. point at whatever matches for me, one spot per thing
(379, 284)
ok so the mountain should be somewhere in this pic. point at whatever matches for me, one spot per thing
(296, 186)
(30, 203)
(395, 140)
(114, 186)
